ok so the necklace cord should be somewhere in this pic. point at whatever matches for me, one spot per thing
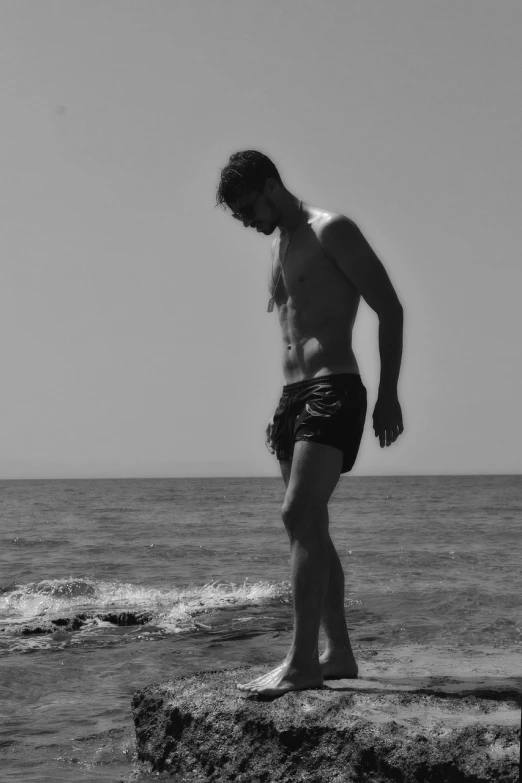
(272, 298)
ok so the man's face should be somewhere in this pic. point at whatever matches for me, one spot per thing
(256, 210)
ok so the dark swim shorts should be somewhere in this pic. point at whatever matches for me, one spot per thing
(330, 410)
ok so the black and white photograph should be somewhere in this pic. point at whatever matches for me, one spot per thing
(261, 389)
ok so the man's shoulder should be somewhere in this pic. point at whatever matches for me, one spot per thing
(328, 219)
(332, 226)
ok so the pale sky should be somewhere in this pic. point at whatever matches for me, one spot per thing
(135, 337)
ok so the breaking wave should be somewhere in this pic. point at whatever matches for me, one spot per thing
(173, 608)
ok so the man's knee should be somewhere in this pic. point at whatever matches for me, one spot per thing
(301, 514)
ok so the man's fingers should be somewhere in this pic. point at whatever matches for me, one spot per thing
(269, 440)
(270, 447)
(268, 437)
(393, 434)
(387, 435)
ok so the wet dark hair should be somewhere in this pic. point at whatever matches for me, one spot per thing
(247, 170)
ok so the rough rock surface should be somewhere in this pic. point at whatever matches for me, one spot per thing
(414, 714)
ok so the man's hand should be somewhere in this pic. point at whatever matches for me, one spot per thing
(269, 443)
(387, 419)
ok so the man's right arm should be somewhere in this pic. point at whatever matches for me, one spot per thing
(350, 251)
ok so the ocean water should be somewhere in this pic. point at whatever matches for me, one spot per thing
(109, 585)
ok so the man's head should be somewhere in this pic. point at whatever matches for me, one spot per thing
(251, 186)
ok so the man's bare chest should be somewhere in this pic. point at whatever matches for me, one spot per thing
(301, 271)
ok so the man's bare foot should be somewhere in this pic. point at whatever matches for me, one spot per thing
(339, 665)
(283, 679)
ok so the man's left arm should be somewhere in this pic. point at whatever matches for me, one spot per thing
(346, 246)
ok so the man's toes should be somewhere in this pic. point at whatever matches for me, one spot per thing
(247, 686)
(251, 684)
(269, 689)
(266, 682)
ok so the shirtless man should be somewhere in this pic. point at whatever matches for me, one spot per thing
(322, 265)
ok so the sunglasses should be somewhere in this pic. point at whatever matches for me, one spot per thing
(248, 211)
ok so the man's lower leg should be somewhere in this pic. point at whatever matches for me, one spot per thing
(309, 554)
(310, 565)
(337, 659)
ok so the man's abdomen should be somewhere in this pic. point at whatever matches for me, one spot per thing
(314, 357)
(317, 334)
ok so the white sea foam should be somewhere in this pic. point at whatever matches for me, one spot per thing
(218, 595)
(169, 606)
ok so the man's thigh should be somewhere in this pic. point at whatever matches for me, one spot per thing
(313, 473)
(285, 466)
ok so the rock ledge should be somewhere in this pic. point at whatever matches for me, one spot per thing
(375, 729)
